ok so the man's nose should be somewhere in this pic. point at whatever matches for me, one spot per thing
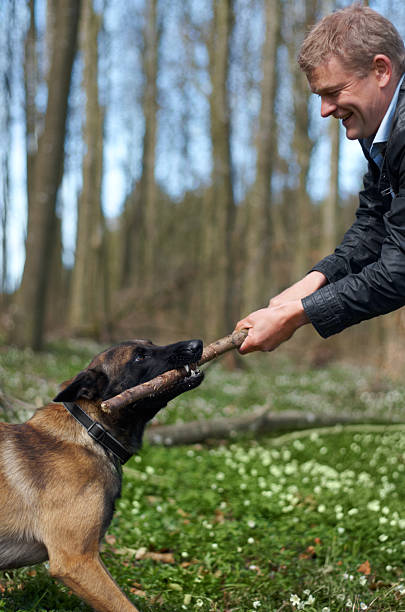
(327, 107)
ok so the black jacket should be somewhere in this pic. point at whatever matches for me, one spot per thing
(366, 273)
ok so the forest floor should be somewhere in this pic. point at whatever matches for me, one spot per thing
(311, 520)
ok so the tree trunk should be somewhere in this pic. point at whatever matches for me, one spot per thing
(141, 219)
(257, 273)
(31, 299)
(219, 205)
(87, 307)
(331, 204)
(148, 183)
(258, 422)
(305, 16)
(6, 131)
(30, 84)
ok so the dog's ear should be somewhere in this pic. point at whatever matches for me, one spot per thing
(88, 384)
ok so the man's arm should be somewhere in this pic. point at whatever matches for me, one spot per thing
(302, 302)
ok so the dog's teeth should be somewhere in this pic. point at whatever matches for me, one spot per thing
(187, 368)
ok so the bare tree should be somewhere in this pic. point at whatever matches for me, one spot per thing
(301, 16)
(141, 210)
(5, 126)
(258, 233)
(31, 298)
(31, 86)
(219, 202)
(87, 305)
(331, 204)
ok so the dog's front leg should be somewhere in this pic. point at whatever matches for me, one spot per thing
(89, 579)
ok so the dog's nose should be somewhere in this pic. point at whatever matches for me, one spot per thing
(195, 346)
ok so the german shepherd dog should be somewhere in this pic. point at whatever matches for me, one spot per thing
(60, 472)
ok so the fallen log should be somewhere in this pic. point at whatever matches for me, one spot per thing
(258, 422)
(164, 381)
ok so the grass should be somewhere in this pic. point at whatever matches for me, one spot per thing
(310, 521)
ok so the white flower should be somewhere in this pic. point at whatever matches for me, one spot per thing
(363, 606)
(256, 604)
(310, 600)
(199, 603)
(251, 524)
(294, 599)
(383, 537)
(325, 609)
(251, 541)
(349, 603)
(363, 580)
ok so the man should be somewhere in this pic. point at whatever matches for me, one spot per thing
(354, 59)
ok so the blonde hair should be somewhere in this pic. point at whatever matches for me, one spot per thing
(354, 35)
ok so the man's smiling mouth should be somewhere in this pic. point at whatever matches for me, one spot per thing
(345, 117)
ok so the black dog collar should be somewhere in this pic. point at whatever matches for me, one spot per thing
(97, 432)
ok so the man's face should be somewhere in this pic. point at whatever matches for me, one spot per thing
(360, 103)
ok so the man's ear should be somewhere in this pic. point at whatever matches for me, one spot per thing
(383, 69)
(88, 384)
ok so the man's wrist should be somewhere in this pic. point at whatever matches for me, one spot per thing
(295, 314)
(300, 317)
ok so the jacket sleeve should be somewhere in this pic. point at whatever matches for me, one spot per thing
(361, 244)
(366, 273)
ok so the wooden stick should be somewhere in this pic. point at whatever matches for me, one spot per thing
(213, 350)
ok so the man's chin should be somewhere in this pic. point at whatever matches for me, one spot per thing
(352, 135)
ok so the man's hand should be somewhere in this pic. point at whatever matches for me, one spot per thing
(271, 326)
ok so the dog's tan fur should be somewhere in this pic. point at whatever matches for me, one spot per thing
(58, 486)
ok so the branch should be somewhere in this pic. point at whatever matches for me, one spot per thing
(166, 380)
(258, 422)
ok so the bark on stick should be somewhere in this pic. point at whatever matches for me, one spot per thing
(211, 351)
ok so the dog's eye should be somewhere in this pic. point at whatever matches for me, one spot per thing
(140, 356)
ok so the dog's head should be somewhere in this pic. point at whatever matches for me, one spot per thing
(129, 364)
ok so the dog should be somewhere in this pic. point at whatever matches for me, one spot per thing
(60, 472)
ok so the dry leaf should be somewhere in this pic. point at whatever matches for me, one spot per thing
(138, 592)
(142, 553)
(365, 568)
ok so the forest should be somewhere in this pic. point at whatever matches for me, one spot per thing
(164, 170)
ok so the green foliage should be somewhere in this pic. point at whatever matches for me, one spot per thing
(311, 522)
